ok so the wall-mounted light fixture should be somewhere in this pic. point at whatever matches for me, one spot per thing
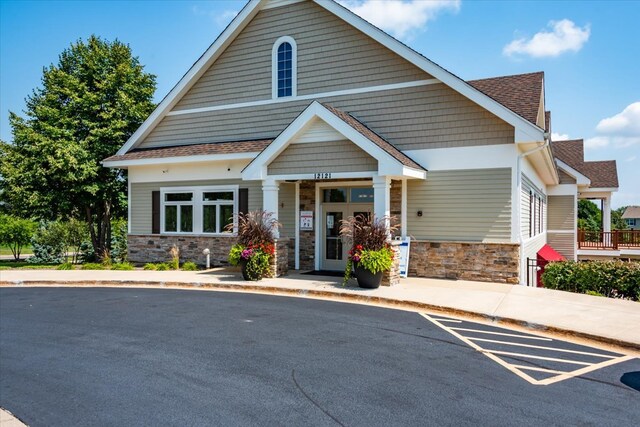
(419, 213)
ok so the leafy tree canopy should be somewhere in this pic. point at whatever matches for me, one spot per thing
(88, 106)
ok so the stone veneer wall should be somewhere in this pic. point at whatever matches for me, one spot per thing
(485, 262)
(392, 277)
(307, 238)
(145, 248)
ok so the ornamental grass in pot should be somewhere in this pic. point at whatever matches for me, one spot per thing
(370, 254)
(255, 248)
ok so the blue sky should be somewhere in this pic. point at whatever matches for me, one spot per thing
(589, 52)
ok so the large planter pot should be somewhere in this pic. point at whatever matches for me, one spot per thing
(245, 274)
(367, 279)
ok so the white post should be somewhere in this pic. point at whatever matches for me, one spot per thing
(382, 197)
(606, 214)
(297, 221)
(270, 199)
(403, 210)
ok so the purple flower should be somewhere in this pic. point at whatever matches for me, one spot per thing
(356, 258)
(246, 253)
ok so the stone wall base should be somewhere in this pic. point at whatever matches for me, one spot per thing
(485, 262)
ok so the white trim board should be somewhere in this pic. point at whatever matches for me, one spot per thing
(181, 159)
(579, 177)
(313, 96)
(525, 131)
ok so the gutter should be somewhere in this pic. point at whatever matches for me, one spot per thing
(545, 144)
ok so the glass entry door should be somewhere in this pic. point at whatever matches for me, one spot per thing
(334, 250)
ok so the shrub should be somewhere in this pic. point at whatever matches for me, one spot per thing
(16, 233)
(174, 264)
(75, 232)
(189, 266)
(93, 266)
(119, 240)
(87, 253)
(122, 266)
(65, 266)
(163, 266)
(608, 278)
(150, 266)
(48, 243)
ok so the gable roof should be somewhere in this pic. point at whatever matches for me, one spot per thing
(520, 93)
(526, 131)
(391, 161)
(631, 212)
(374, 137)
(218, 149)
(602, 174)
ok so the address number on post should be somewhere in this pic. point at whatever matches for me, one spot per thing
(322, 175)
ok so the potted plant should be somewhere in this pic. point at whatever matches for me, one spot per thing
(255, 247)
(371, 254)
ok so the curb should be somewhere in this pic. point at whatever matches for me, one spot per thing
(325, 295)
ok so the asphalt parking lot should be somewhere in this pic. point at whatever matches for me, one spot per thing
(99, 356)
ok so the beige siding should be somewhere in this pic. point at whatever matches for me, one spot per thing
(466, 205)
(562, 213)
(334, 156)
(287, 210)
(432, 116)
(564, 243)
(141, 199)
(332, 55)
(525, 214)
(565, 178)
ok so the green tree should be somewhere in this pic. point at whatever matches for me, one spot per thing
(589, 216)
(15, 233)
(89, 105)
(617, 223)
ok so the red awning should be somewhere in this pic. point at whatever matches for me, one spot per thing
(547, 253)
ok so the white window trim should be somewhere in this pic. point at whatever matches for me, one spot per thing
(294, 67)
(198, 204)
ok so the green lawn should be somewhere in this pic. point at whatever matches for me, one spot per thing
(26, 250)
(23, 265)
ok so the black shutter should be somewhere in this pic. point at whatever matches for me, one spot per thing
(243, 200)
(155, 212)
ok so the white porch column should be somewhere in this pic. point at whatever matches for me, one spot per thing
(606, 214)
(403, 210)
(270, 200)
(382, 197)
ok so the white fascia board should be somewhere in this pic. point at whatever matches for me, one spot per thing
(182, 159)
(387, 164)
(580, 178)
(525, 130)
(599, 190)
(563, 190)
(195, 72)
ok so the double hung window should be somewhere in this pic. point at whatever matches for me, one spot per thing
(199, 210)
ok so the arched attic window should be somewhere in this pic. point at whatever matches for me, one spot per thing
(284, 68)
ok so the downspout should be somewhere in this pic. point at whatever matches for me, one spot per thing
(521, 156)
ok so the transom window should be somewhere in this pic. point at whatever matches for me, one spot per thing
(284, 67)
(198, 210)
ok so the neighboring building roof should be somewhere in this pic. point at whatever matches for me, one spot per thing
(193, 150)
(520, 93)
(602, 174)
(631, 212)
(373, 137)
(547, 121)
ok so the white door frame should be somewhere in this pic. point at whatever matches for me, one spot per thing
(318, 213)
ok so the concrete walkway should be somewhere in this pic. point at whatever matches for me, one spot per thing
(8, 420)
(608, 320)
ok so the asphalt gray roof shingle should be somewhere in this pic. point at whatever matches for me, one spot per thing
(602, 174)
(193, 150)
(520, 93)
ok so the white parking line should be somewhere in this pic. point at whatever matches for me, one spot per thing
(562, 350)
(518, 369)
(531, 356)
(502, 334)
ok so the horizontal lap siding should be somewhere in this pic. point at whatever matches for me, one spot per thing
(432, 116)
(564, 243)
(332, 55)
(141, 199)
(565, 178)
(287, 210)
(562, 213)
(331, 156)
(465, 205)
(525, 218)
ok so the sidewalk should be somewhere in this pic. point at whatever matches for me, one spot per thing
(605, 319)
(8, 420)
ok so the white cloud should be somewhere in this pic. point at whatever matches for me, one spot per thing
(564, 36)
(619, 131)
(221, 19)
(559, 136)
(630, 159)
(401, 18)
